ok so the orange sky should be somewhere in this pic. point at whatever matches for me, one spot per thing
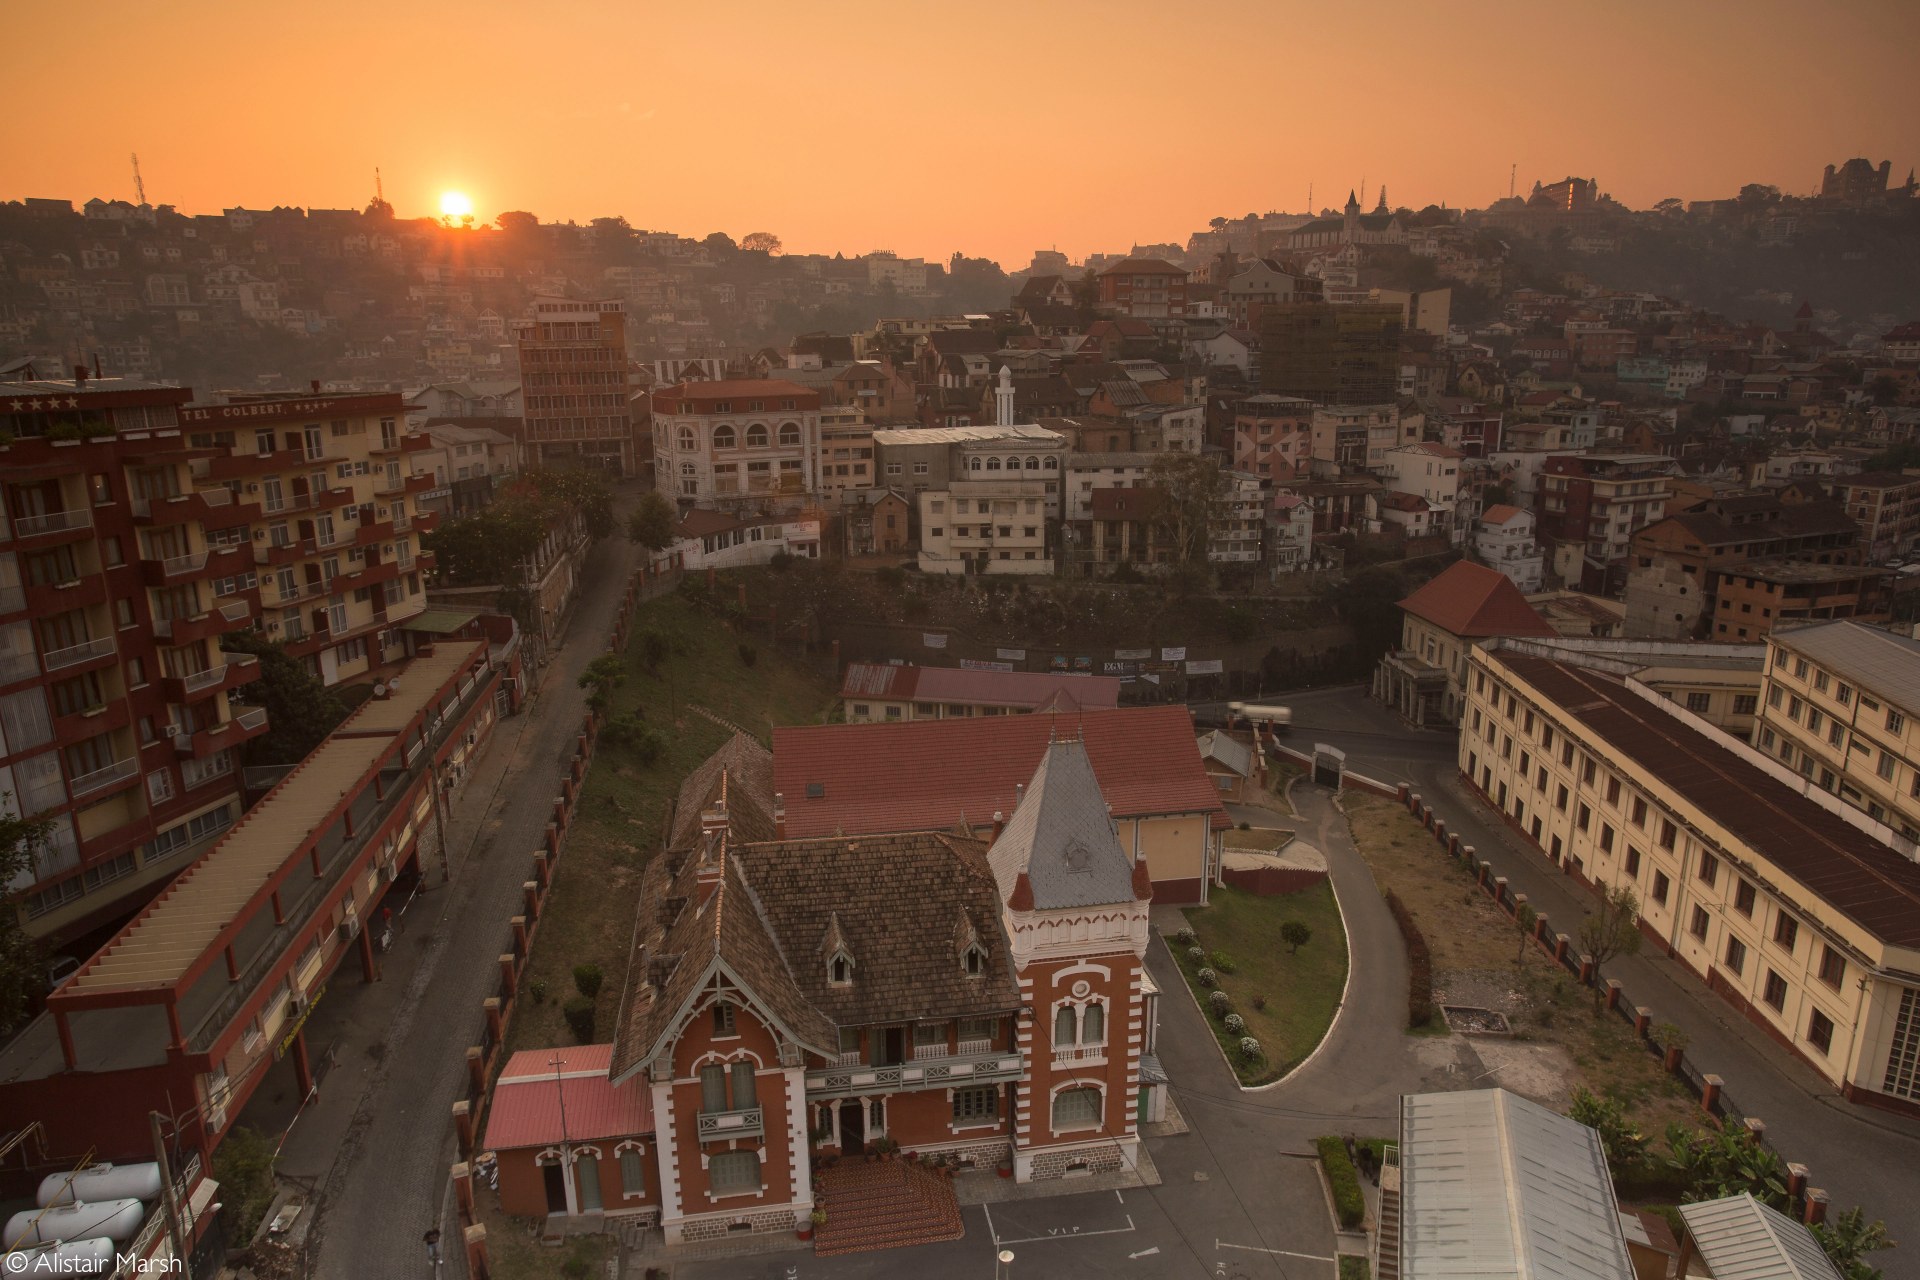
(993, 128)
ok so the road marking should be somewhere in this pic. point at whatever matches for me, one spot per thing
(1144, 1253)
(1070, 1233)
(1254, 1248)
(1117, 1196)
(990, 1231)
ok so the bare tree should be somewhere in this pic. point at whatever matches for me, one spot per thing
(1611, 931)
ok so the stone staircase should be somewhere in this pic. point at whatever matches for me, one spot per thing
(1386, 1232)
(885, 1205)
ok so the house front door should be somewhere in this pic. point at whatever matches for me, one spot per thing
(853, 1126)
(556, 1179)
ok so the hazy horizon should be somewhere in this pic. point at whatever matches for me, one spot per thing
(1077, 126)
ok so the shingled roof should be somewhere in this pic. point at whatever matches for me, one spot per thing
(739, 775)
(1472, 600)
(1061, 837)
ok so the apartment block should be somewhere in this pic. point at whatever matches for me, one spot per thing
(1591, 505)
(1787, 902)
(334, 560)
(736, 442)
(1841, 706)
(1887, 508)
(1331, 354)
(573, 385)
(120, 714)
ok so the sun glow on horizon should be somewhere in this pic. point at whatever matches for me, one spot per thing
(454, 204)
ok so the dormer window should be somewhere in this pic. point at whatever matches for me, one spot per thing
(723, 1019)
(974, 961)
(840, 969)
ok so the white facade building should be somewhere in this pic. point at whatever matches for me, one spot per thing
(1503, 539)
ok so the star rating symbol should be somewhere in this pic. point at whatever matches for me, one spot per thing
(17, 405)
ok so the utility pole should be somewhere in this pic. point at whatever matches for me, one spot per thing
(139, 187)
(166, 1189)
(1513, 175)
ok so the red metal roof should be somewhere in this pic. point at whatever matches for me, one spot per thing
(927, 774)
(525, 1111)
(993, 688)
(1472, 600)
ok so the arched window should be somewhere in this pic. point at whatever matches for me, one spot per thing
(1076, 1109)
(688, 440)
(1064, 1030)
(973, 464)
(1093, 1024)
(688, 469)
(1053, 464)
(723, 437)
(1033, 462)
(993, 464)
(975, 961)
(790, 433)
(757, 436)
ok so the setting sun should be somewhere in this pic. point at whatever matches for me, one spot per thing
(454, 204)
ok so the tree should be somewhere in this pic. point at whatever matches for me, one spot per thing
(1296, 935)
(760, 242)
(244, 1166)
(1847, 1238)
(651, 523)
(1669, 207)
(1191, 494)
(603, 675)
(517, 222)
(1524, 918)
(301, 711)
(582, 489)
(1625, 1145)
(21, 974)
(1611, 931)
(719, 243)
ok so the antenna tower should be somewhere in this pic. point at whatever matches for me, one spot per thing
(1513, 175)
(139, 187)
(378, 192)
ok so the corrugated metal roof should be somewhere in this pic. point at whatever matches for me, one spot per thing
(526, 1110)
(1843, 865)
(1222, 748)
(1492, 1186)
(963, 686)
(1741, 1239)
(1882, 661)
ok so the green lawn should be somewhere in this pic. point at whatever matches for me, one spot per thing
(617, 825)
(1301, 992)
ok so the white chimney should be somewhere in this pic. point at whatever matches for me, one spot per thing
(1003, 399)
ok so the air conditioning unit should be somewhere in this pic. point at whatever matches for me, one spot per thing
(253, 487)
(350, 928)
(391, 869)
(297, 1004)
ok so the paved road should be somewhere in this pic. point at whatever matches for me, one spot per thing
(377, 1148)
(1859, 1155)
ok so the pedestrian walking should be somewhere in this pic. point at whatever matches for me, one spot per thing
(432, 1239)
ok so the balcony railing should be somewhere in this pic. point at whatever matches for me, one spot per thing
(82, 652)
(188, 563)
(973, 1048)
(928, 1052)
(118, 771)
(203, 679)
(744, 1123)
(848, 1080)
(53, 522)
(1079, 1052)
(251, 720)
(236, 610)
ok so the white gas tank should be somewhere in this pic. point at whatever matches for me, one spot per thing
(101, 1182)
(118, 1220)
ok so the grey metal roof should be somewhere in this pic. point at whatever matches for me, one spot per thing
(1884, 662)
(1218, 746)
(1741, 1239)
(1062, 836)
(1495, 1186)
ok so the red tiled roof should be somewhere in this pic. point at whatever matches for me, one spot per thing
(995, 688)
(1472, 600)
(1500, 513)
(525, 1111)
(927, 774)
(700, 522)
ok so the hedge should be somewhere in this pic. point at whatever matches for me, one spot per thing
(1419, 964)
(1348, 1203)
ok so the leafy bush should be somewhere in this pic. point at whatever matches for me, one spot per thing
(1250, 1049)
(1296, 935)
(1348, 1203)
(890, 576)
(1223, 962)
(1219, 1002)
(1260, 1002)
(1206, 977)
(538, 990)
(781, 561)
(1186, 937)
(748, 655)
(244, 1167)
(1419, 964)
(1234, 1023)
(579, 1015)
(1197, 954)
(586, 979)
(1620, 1138)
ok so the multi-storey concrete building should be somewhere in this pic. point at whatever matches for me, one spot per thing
(737, 443)
(1330, 354)
(1235, 536)
(993, 512)
(119, 719)
(1503, 539)
(1887, 508)
(1273, 437)
(1750, 599)
(1842, 707)
(1591, 505)
(1782, 898)
(335, 564)
(573, 384)
(1144, 288)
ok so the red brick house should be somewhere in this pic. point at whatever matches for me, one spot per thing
(1144, 288)
(793, 1002)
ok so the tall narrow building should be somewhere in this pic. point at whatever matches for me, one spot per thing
(573, 385)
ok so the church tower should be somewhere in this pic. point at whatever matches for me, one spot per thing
(1353, 217)
(1075, 911)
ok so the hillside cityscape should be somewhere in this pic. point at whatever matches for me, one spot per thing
(1369, 742)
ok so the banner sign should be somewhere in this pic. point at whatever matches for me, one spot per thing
(1132, 654)
(1011, 655)
(1206, 667)
(1173, 655)
(1120, 668)
(976, 664)
(933, 641)
(1059, 662)
(1083, 664)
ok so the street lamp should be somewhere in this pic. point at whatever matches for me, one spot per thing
(1003, 1259)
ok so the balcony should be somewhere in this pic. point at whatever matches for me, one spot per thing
(1069, 1053)
(718, 1126)
(116, 774)
(74, 655)
(61, 597)
(845, 1081)
(409, 442)
(396, 486)
(158, 573)
(91, 722)
(240, 466)
(201, 743)
(71, 523)
(232, 614)
(321, 499)
(214, 507)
